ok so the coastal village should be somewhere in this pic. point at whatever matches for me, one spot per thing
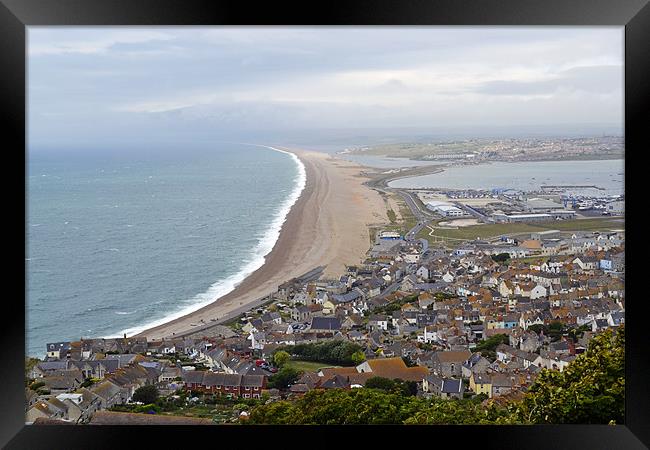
(481, 318)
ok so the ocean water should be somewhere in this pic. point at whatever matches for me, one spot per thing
(119, 243)
(526, 176)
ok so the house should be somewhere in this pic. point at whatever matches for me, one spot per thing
(599, 324)
(408, 283)
(474, 364)
(392, 368)
(66, 381)
(325, 324)
(481, 383)
(215, 356)
(538, 291)
(57, 350)
(258, 340)
(378, 322)
(616, 318)
(271, 317)
(422, 273)
(501, 384)
(45, 368)
(449, 363)
(586, 263)
(109, 394)
(442, 387)
(228, 384)
(46, 409)
(301, 313)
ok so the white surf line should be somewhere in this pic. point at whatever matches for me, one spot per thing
(229, 284)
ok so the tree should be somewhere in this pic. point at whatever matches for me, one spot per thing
(284, 378)
(280, 358)
(330, 352)
(385, 384)
(501, 257)
(488, 346)
(146, 394)
(358, 357)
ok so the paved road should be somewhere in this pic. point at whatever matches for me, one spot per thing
(422, 216)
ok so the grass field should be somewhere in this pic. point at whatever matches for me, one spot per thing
(309, 366)
(485, 231)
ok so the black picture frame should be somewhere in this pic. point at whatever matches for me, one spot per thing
(634, 15)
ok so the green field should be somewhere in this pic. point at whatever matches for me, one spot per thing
(308, 366)
(486, 231)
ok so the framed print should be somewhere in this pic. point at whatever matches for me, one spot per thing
(338, 217)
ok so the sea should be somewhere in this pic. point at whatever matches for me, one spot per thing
(121, 241)
(607, 175)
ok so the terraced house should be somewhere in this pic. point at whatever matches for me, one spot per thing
(229, 384)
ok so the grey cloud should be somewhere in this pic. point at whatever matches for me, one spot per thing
(593, 79)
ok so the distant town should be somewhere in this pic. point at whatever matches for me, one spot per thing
(511, 149)
(464, 294)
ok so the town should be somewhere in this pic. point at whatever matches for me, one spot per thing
(511, 149)
(452, 318)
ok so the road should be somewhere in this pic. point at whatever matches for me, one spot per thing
(422, 216)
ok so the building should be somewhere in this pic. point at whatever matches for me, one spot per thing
(449, 363)
(58, 350)
(392, 368)
(563, 214)
(232, 385)
(521, 218)
(390, 235)
(617, 207)
(548, 234)
(445, 209)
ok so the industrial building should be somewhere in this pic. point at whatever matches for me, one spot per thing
(561, 214)
(445, 209)
(617, 207)
(541, 205)
(500, 217)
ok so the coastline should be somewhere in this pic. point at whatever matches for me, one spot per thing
(263, 248)
(312, 235)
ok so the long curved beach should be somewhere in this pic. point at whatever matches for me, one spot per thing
(327, 226)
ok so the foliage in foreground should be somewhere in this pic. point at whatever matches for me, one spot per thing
(590, 390)
(369, 406)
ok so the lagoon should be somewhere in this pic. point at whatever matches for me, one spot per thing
(525, 176)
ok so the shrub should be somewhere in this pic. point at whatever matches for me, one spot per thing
(146, 394)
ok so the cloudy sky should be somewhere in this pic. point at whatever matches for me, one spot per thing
(115, 84)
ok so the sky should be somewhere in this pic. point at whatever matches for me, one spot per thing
(118, 85)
